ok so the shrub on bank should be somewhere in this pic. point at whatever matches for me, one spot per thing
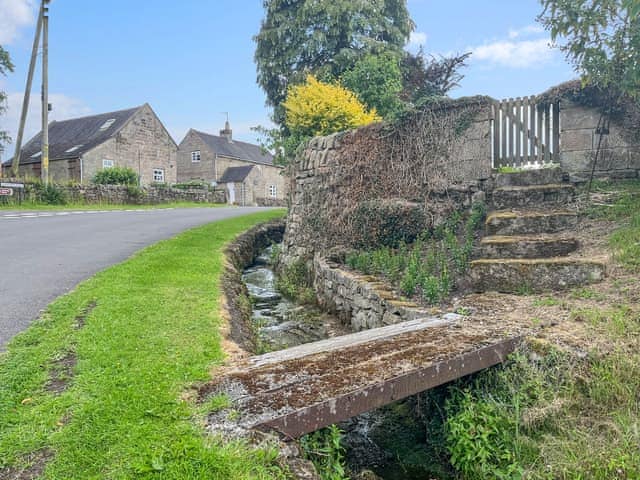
(116, 176)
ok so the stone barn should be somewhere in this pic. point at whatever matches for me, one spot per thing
(81, 147)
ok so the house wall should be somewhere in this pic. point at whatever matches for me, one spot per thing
(143, 145)
(211, 168)
(186, 169)
(619, 156)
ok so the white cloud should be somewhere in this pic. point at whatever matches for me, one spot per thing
(515, 54)
(64, 107)
(528, 31)
(16, 14)
(416, 40)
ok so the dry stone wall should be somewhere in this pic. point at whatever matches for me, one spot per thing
(361, 301)
(437, 159)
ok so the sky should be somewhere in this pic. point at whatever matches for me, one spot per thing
(192, 60)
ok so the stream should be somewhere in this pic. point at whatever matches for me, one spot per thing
(390, 441)
(280, 322)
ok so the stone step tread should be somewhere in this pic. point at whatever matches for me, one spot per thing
(506, 214)
(530, 188)
(541, 238)
(571, 260)
(531, 176)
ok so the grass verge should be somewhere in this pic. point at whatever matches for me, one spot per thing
(98, 386)
(30, 206)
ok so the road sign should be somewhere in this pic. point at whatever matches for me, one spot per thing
(6, 192)
(11, 185)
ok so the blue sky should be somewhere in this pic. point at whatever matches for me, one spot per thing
(193, 59)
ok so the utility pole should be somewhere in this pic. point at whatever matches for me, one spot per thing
(15, 165)
(45, 92)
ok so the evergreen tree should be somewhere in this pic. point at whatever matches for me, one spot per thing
(324, 38)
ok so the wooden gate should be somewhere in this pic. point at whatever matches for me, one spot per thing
(525, 133)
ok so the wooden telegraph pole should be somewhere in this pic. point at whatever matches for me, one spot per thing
(45, 92)
(15, 165)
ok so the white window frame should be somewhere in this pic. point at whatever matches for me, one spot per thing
(158, 175)
(196, 156)
(273, 191)
(106, 163)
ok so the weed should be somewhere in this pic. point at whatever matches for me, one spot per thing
(546, 302)
(325, 450)
(428, 266)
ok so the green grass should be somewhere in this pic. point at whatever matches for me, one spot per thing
(29, 206)
(625, 241)
(152, 334)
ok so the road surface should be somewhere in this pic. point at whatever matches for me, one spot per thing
(45, 254)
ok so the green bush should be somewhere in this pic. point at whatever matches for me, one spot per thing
(50, 194)
(387, 223)
(116, 176)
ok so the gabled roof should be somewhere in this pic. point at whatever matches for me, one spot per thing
(235, 149)
(72, 138)
(235, 174)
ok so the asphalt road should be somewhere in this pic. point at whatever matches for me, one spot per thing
(45, 254)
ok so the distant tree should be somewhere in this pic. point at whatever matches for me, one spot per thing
(377, 80)
(425, 78)
(601, 39)
(318, 108)
(5, 67)
(324, 38)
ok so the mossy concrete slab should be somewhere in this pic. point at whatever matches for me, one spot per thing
(531, 246)
(535, 275)
(533, 196)
(532, 222)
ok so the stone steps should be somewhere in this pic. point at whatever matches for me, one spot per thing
(533, 195)
(532, 246)
(529, 240)
(530, 222)
(519, 275)
(542, 176)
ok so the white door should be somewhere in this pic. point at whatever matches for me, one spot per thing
(232, 193)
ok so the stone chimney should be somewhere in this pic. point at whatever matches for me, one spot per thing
(227, 132)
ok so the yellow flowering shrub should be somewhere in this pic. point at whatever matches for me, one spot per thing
(318, 108)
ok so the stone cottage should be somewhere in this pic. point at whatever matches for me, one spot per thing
(245, 170)
(80, 147)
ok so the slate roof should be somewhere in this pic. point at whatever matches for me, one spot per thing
(235, 174)
(236, 149)
(84, 133)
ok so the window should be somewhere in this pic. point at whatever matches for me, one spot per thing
(195, 156)
(107, 163)
(273, 191)
(73, 149)
(158, 175)
(107, 124)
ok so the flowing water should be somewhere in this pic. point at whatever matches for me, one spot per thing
(282, 323)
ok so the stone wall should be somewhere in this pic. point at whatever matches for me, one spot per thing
(359, 300)
(123, 195)
(334, 175)
(619, 156)
(152, 195)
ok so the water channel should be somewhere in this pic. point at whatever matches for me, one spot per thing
(390, 441)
